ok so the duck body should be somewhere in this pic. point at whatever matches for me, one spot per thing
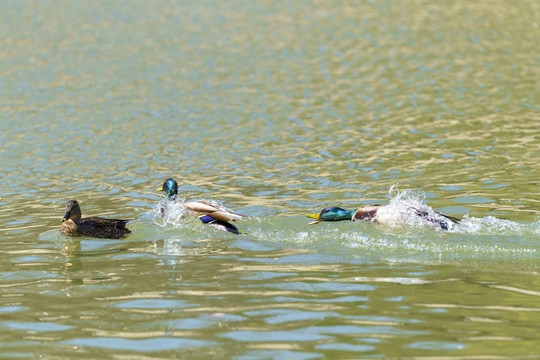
(214, 216)
(385, 215)
(74, 225)
(209, 214)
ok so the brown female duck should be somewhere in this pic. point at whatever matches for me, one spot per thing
(98, 227)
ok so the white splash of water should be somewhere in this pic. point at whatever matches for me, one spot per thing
(408, 207)
(472, 238)
(169, 212)
(173, 213)
(169, 246)
(490, 225)
(405, 206)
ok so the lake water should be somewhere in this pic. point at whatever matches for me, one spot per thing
(275, 110)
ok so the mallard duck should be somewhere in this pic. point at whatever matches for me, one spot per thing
(98, 227)
(209, 214)
(381, 214)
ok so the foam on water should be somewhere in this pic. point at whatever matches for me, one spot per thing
(490, 225)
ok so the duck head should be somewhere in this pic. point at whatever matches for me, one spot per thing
(170, 187)
(73, 211)
(331, 214)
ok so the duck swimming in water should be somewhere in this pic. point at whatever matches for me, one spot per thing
(98, 227)
(383, 214)
(209, 214)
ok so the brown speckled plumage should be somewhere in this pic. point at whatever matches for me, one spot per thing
(98, 227)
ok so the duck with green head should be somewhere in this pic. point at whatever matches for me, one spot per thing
(332, 214)
(74, 225)
(170, 188)
(209, 214)
(381, 214)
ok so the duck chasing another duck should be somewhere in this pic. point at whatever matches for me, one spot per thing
(381, 214)
(98, 227)
(209, 214)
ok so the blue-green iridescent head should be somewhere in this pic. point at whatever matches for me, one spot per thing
(170, 187)
(331, 214)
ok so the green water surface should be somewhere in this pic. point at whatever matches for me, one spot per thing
(274, 109)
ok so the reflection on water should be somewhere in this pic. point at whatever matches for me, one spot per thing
(275, 110)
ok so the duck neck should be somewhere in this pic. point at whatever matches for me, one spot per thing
(347, 215)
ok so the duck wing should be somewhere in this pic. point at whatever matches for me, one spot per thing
(437, 221)
(218, 224)
(100, 222)
(202, 208)
(451, 218)
(103, 228)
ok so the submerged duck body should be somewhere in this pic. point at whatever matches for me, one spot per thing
(209, 214)
(74, 225)
(383, 214)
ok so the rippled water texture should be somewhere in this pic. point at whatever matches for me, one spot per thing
(274, 110)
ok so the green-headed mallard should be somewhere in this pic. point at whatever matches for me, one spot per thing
(209, 214)
(381, 214)
(98, 227)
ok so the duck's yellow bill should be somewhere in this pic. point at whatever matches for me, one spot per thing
(314, 216)
(160, 189)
